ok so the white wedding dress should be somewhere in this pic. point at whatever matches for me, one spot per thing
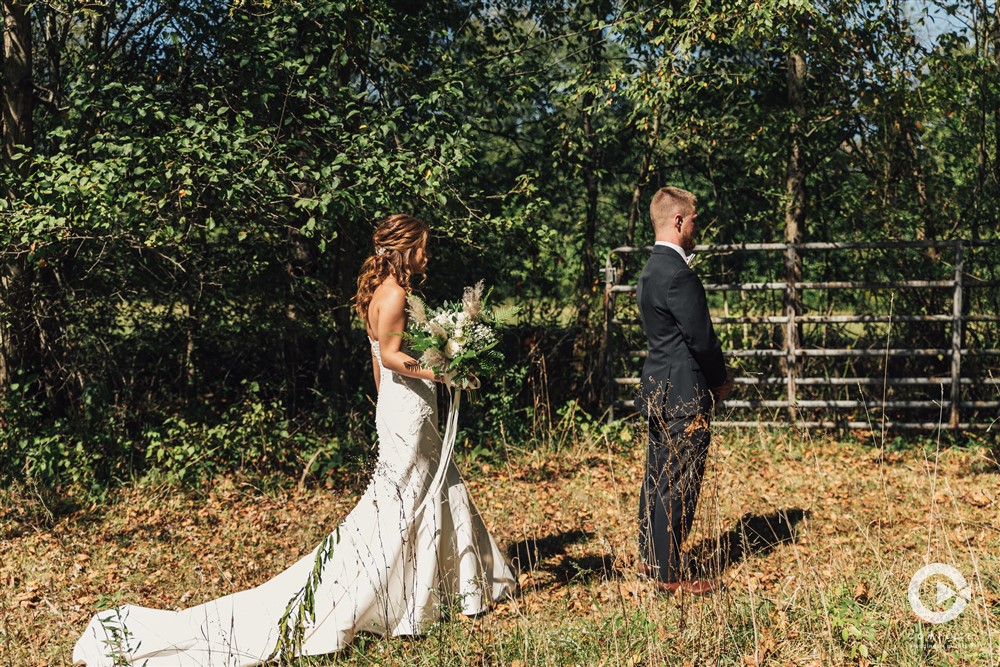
(413, 544)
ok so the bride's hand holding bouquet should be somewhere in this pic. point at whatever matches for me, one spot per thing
(458, 340)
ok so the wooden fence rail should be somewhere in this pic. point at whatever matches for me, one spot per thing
(956, 372)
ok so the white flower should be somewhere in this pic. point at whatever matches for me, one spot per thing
(452, 348)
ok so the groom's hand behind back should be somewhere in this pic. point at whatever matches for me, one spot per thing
(720, 393)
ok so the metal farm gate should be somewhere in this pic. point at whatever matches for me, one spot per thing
(895, 335)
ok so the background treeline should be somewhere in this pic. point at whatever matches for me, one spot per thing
(190, 186)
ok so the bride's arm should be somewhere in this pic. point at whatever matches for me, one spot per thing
(377, 372)
(391, 322)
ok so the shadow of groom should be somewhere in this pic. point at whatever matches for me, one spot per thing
(753, 535)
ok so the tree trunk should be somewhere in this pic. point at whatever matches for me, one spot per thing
(19, 352)
(18, 339)
(795, 219)
(583, 349)
(590, 184)
(994, 32)
(982, 34)
(929, 229)
(642, 179)
(18, 95)
(795, 176)
(54, 44)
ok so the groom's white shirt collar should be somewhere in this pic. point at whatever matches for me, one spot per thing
(687, 258)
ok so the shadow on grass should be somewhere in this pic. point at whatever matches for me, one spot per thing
(548, 554)
(529, 554)
(753, 535)
(586, 568)
(24, 511)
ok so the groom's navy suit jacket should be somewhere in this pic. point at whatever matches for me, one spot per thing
(685, 356)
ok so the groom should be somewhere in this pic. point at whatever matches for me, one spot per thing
(683, 377)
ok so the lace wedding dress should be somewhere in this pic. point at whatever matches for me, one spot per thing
(413, 544)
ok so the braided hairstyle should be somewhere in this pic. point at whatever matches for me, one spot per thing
(396, 239)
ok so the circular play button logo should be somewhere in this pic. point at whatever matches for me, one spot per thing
(953, 593)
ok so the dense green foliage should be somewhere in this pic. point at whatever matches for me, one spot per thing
(181, 238)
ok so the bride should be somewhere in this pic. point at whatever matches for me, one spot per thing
(414, 543)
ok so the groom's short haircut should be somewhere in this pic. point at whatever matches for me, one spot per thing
(667, 201)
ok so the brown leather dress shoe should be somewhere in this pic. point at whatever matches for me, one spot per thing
(645, 570)
(693, 586)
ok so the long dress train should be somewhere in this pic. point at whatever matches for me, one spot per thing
(413, 544)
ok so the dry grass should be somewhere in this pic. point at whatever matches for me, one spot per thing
(822, 538)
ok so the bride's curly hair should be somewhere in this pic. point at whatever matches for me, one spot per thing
(396, 238)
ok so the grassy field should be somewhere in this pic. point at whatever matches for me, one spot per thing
(818, 540)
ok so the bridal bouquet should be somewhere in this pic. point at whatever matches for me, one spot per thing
(458, 339)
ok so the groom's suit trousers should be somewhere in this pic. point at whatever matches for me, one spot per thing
(675, 466)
